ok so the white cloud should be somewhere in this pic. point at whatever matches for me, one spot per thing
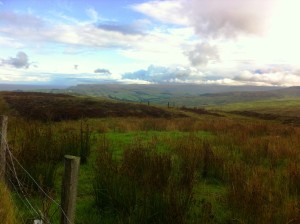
(188, 41)
(219, 18)
(32, 29)
(161, 74)
(11, 75)
(164, 11)
(21, 21)
(212, 18)
(269, 77)
(10, 43)
(216, 23)
(202, 54)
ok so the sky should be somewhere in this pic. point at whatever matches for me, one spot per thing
(226, 42)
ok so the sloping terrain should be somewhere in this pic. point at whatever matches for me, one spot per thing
(286, 110)
(185, 95)
(56, 107)
(175, 95)
(178, 95)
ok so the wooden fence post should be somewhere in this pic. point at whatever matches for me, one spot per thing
(3, 146)
(69, 189)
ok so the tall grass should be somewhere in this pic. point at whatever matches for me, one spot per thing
(142, 187)
(76, 142)
(40, 148)
(255, 162)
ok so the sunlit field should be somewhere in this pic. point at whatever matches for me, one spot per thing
(197, 168)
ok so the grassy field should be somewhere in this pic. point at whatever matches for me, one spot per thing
(283, 107)
(199, 167)
(284, 110)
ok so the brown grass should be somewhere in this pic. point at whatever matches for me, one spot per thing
(58, 107)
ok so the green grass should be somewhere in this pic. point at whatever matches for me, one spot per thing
(214, 194)
(157, 139)
(229, 159)
(239, 169)
(118, 142)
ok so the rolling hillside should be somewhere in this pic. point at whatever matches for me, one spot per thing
(185, 95)
(174, 95)
(286, 110)
(56, 107)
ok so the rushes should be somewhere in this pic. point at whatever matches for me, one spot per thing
(141, 188)
(76, 142)
(40, 148)
(234, 172)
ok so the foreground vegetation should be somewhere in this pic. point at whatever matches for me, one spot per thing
(201, 169)
(7, 208)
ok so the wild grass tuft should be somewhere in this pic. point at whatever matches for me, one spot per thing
(142, 187)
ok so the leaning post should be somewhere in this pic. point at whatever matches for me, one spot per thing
(69, 189)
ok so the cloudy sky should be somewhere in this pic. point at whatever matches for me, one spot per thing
(229, 42)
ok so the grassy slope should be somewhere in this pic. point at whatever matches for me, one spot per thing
(56, 107)
(121, 137)
(284, 107)
(178, 95)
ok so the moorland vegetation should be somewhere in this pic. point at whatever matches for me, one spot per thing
(147, 164)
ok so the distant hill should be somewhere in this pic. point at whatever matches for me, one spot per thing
(15, 87)
(57, 107)
(176, 94)
(286, 109)
(186, 95)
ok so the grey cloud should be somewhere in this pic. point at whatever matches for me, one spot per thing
(27, 27)
(124, 29)
(212, 18)
(76, 67)
(272, 76)
(160, 74)
(20, 20)
(215, 18)
(102, 71)
(202, 54)
(20, 61)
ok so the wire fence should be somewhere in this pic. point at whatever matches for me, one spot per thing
(20, 189)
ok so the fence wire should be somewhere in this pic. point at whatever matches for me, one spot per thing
(19, 188)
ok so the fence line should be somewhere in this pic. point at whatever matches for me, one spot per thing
(13, 170)
(17, 192)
